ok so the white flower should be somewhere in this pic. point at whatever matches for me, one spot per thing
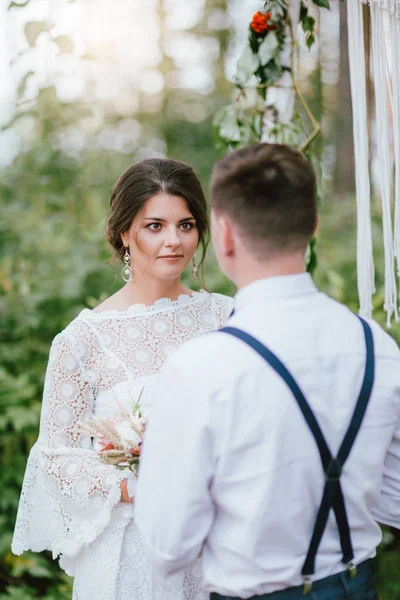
(138, 423)
(129, 437)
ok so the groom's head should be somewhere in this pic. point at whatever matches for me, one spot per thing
(263, 202)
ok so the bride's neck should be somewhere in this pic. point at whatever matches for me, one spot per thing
(148, 291)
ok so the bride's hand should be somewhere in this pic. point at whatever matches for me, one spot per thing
(124, 492)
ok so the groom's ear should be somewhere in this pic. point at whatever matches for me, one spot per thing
(227, 237)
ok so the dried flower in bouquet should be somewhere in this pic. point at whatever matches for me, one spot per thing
(119, 439)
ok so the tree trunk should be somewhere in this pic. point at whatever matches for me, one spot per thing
(344, 172)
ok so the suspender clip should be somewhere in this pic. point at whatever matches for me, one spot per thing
(307, 584)
(333, 471)
(352, 570)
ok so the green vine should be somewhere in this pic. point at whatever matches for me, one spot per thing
(262, 66)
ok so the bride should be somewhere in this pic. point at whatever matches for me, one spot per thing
(71, 503)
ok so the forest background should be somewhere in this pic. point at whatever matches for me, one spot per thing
(88, 87)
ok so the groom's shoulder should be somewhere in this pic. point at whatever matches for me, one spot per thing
(213, 352)
(385, 345)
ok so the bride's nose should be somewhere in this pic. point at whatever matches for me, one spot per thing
(172, 239)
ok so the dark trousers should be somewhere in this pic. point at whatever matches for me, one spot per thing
(335, 587)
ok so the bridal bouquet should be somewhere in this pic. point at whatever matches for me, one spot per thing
(119, 438)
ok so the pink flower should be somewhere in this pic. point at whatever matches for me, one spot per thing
(105, 444)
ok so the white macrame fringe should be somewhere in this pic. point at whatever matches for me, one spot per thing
(390, 6)
(395, 48)
(365, 259)
(379, 61)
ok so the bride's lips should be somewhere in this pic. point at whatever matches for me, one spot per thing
(171, 257)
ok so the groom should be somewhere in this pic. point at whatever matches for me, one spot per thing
(275, 446)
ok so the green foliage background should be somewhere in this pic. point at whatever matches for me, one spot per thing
(54, 262)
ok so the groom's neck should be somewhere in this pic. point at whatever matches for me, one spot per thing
(249, 269)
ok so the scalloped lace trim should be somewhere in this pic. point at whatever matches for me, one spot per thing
(159, 305)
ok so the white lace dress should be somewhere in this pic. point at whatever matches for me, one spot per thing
(70, 502)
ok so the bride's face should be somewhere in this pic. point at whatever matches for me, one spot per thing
(162, 238)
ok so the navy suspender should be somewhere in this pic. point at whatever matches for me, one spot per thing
(333, 495)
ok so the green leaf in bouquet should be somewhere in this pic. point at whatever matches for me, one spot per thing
(18, 5)
(65, 44)
(268, 48)
(23, 82)
(34, 28)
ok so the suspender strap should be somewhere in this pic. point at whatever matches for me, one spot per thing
(333, 495)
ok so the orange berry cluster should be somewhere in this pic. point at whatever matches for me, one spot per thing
(260, 23)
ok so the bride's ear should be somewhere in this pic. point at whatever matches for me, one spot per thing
(125, 238)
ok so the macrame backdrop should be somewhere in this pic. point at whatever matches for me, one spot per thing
(385, 46)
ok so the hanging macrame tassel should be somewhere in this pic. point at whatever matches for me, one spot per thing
(395, 64)
(365, 259)
(384, 159)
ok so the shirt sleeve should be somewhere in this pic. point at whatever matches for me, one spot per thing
(388, 509)
(173, 505)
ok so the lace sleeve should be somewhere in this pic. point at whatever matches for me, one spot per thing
(67, 495)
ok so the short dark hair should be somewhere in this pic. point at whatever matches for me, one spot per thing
(146, 179)
(269, 191)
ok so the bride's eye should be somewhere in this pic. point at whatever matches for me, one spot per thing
(154, 226)
(187, 226)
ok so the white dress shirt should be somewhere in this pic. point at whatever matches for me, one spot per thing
(229, 467)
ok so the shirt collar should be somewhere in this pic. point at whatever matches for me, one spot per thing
(275, 287)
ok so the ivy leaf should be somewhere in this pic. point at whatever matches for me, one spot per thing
(248, 63)
(277, 8)
(311, 257)
(226, 122)
(272, 72)
(286, 133)
(65, 44)
(322, 3)
(268, 48)
(308, 24)
(34, 28)
(258, 124)
(310, 40)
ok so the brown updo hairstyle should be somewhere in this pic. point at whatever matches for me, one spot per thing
(146, 179)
